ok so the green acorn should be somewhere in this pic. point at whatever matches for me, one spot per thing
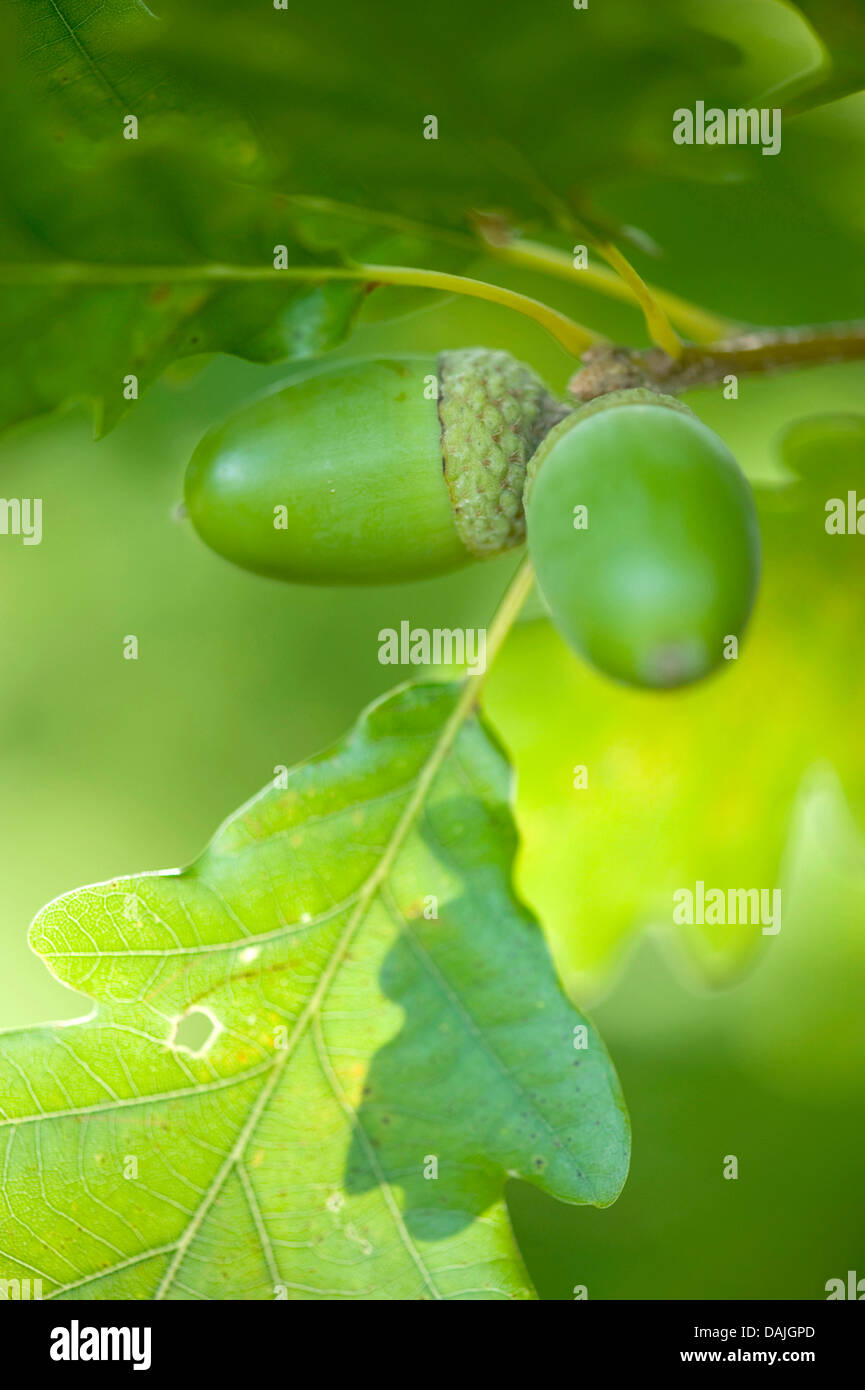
(644, 538)
(374, 471)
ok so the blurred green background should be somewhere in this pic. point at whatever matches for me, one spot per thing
(112, 766)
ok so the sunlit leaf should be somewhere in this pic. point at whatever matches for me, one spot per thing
(378, 1041)
(696, 785)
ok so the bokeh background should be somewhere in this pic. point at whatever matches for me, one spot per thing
(727, 1043)
(110, 766)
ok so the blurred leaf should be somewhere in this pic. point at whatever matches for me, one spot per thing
(548, 119)
(826, 451)
(804, 1005)
(771, 41)
(142, 207)
(841, 27)
(696, 785)
(354, 1041)
(75, 190)
(76, 52)
(770, 1070)
(241, 110)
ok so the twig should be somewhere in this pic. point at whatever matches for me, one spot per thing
(608, 368)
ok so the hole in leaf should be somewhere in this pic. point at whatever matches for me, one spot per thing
(196, 1031)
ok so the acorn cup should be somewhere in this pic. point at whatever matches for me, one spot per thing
(374, 471)
(644, 537)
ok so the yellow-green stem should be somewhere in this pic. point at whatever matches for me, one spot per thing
(572, 336)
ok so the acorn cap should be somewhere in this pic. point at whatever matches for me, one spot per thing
(633, 395)
(494, 412)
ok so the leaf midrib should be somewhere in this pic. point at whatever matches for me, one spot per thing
(90, 61)
(424, 780)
